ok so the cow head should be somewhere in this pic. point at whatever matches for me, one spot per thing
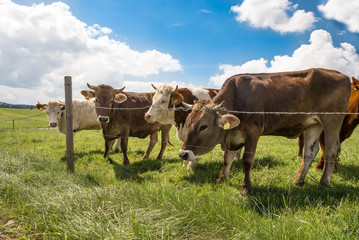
(105, 96)
(165, 97)
(55, 111)
(205, 129)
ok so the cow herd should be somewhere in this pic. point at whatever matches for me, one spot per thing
(310, 105)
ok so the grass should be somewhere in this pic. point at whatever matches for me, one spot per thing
(150, 199)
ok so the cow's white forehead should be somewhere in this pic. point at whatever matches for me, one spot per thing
(163, 91)
(53, 107)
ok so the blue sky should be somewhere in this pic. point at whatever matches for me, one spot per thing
(189, 43)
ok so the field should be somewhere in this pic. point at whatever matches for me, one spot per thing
(151, 199)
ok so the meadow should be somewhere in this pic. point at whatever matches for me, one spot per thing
(151, 199)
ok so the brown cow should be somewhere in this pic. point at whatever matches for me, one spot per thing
(349, 124)
(119, 117)
(312, 90)
(167, 97)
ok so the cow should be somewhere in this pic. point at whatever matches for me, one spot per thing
(122, 115)
(84, 116)
(350, 122)
(166, 97)
(251, 105)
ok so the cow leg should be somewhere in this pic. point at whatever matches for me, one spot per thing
(152, 143)
(118, 144)
(332, 145)
(124, 145)
(165, 137)
(250, 147)
(229, 157)
(321, 162)
(300, 146)
(108, 147)
(311, 148)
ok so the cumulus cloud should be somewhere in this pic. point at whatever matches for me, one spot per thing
(320, 52)
(279, 15)
(40, 44)
(346, 12)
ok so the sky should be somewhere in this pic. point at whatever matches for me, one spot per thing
(134, 43)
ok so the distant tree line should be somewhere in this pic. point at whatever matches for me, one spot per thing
(19, 106)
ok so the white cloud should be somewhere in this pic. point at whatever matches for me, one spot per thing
(344, 11)
(274, 14)
(320, 52)
(41, 44)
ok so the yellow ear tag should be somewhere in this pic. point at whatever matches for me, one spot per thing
(226, 126)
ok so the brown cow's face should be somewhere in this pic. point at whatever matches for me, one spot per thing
(105, 96)
(205, 130)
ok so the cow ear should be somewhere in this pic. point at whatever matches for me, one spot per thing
(41, 107)
(355, 83)
(177, 98)
(228, 121)
(152, 94)
(88, 94)
(120, 97)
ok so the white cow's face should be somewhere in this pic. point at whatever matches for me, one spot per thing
(55, 112)
(158, 111)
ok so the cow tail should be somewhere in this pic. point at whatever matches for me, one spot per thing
(171, 143)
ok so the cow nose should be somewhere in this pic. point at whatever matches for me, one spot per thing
(53, 124)
(147, 117)
(183, 154)
(103, 119)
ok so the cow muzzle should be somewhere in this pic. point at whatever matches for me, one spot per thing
(148, 117)
(187, 155)
(53, 124)
(103, 119)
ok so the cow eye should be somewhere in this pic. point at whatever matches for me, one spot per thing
(163, 102)
(203, 127)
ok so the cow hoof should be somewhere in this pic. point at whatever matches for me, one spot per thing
(325, 183)
(221, 180)
(191, 164)
(117, 150)
(297, 183)
(246, 191)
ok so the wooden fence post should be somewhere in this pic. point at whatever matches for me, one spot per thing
(68, 123)
(13, 124)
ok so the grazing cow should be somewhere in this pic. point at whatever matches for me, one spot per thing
(122, 115)
(166, 97)
(349, 124)
(226, 121)
(84, 116)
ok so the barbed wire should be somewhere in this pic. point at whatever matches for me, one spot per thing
(230, 111)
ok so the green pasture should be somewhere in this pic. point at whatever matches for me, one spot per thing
(151, 199)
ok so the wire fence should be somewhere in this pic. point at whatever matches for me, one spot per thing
(14, 122)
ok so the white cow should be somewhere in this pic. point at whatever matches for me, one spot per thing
(84, 116)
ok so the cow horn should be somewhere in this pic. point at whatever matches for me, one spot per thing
(218, 106)
(119, 90)
(175, 89)
(91, 87)
(153, 86)
(187, 105)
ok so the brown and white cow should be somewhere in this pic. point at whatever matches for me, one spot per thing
(122, 115)
(350, 122)
(222, 121)
(166, 97)
(84, 116)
